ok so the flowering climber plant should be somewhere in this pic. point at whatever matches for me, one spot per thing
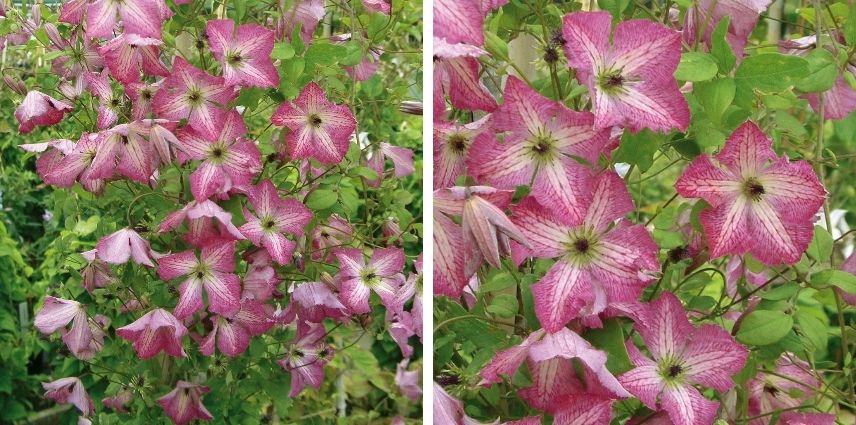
(637, 212)
(231, 242)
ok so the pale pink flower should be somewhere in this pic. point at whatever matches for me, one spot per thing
(704, 16)
(462, 21)
(118, 401)
(96, 273)
(141, 95)
(260, 281)
(243, 53)
(125, 150)
(335, 233)
(456, 75)
(760, 203)
(313, 302)
(306, 357)
(792, 385)
(228, 161)
(69, 390)
(382, 6)
(109, 104)
(320, 129)
(630, 81)
(452, 142)
(602, 258)
(307, 13)
(402, 161)
(81, 56)
(213, 271)
(184, 403)
(57, 314)
(72, 11)
(39, 109)
(205, 221)
(273, 219)
(127, 54)
(156, 331)
(125, 244)
(408, 381)
(190, 93)
(232, 333)
(141, 17)
(358, 279)
(683, 356)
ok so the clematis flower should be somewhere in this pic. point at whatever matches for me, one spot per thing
(382, 6)
(630, 82)
(452, 142)
(140, 17)
(71, 391)
(336, 232)
(549, 358)
(96, 273)
(306, 358)
(228, 161)
(260, 281)
(602, 258)
(796, 418)
(57, 314)
(191, 93)
(109, 105)
(683, 356)
(790, 387)
(125, 244)
(213, 270)
(118, 401)
(274, 218)
(232, 334)
(759, 203)
(127, 53)
(75, 165)
(704, 16)
(243, 53)
(162, 139)
(51, 154)
(313, 302)
(449, 410)
(141, 95)
(81, 56)
(543, 138)
(205, 221)
(39, 109)
(320, 129)
(306, 13)
(736, 270)
(156, 331)
(402, 161)
(408, 381)
(184, 403)
(357, 279)
(72, 11)
(462, 21)
(456, 74)
(848, 266)
(125, 150)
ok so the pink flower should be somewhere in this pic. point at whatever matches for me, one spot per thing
(402, 161)
(759, 203)
(228, 161)
(125, 150)
(602, 258)
(462, 21)
(704, 16)
(790, 387)
(39, 109)
(205, 221)
(82, 56)
(315, 301)
(736, 270)
(156, 331)
(66, 164)
(123, 245)
(796, 418)
(56, 314)
(70, 390)
(274, 218)
(452, 142)
(306, 358)
(336, 232)
(357, 279)
(243, 53)
(232, 334)
(554, 379)
(630, 83)
(408, 381)
(213, 270)
(141, 95)
(127, 53)
(184, 403)
(382, 6)
(543, 136)
(456, 74)
(261, 280)
(840, 100)
(72, 11)
(140, 17)
(307, 13)
(109, 105)
(96, 273)
(190, 93)
(118, 401)
(320, 129)
(684, 356)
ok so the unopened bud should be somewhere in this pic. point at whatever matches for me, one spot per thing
(15, 84)
(327, 279)
(411, 107)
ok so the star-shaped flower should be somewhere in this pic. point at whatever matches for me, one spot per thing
(127, 54)
(184, 403)
(274, 218)
(704, 16)
(123, 245)
(306, 357)
(56, 314)
(630, 82)
(156, 331)
(358, 279)
(243, 53)
(70, 390)
(205, 221)
(759, 203)
(213, 270)
(320, 129)
(141, 17)
(452, 142)
(39, 109)
(232, 333)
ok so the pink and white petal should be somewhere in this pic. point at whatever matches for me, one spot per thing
(449, 275)
(224, 292)
(207, 180)
(552, 380)
(645, 383)
(252, 229)
(172, 266)
(279, 247)
(774, 240)
(686, 406)
(660, 108)
(702, 179)
(619, 258)
(586, 37)
(190, 298)
(387, 261)
(232, 339)
(664, 327)
(747, 150)
(55, 314)
(646, 49)
(523, 111)
(459, 21)
(508, 361)
(562, 186)
(727, 227)
(355, 295)
(208, 120)
(292, 216)
(610, 201)
(351, 261)
(792, 189)
(541, 228)
(136, 161)
(206, 346)
(465, 89)
(712, 356)
(402, 158)
(504, 166)
(220, 256)
(101, 18)
(142, 17)
(115, 248)
(583, 410)
(838, 102)
(561, 294)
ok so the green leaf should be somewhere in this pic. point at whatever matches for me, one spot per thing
(696, 66)
(504, 305)
(841, 279)
(495, 45)
(820, 248)
(610, 339)
(282, 51)
(498, 282)
(812, 330)
(720, 49)
(322, 199)
(850, 27)
(364, 172)
(763, 327)
(823, 71)
(715, 97)
(614, 7)
(770, 72)
(353, 54)
(324, 53)
(783, 292)
(638, 148)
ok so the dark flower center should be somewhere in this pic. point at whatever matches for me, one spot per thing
(235, 58)
(753, 189)
(200, 44)
(325, 235)
(675, 370)
(611, 81)
(458, 143)
(114, 102)
(370, 276)
(551, 55)
(217, 153)
(193, 96)
(323, 353)
(200, 275)
(615, 81)
(146, 94)
(298, 353)
(581, 245)
(773, 391)
(314, 120)
(268, 224)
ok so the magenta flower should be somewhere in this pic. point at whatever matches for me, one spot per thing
(228, 161)
(243, 53)
(232, 334)
(796, 418)
(790, 387)
(39, 109)
(357, 279)
(184, 403)
(684, 356)
(140, 17)
(260, 281)
(125, 244)
(306, 358)
(193, 94)
(109, 105)
(549, 358)
(630, 83)
(70, 390)
(56, 314)
(141, 95)
(125, 150)
(408, 381)
(336, 232)
(382, 6)
(759, 203)
(462, 21)
(156, 331)
(126, 54)
(402, 161)
(456, 74)
(543, 138)
(213, 270)
(307, 13)
(274, 218)
(704, 16)
(313, 302)
(601, 258)
(452, 142)
(205, 221)
(320, 129)
(96, 273)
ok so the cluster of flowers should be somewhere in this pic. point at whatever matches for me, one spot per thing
(759, 203)
(184, 115)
